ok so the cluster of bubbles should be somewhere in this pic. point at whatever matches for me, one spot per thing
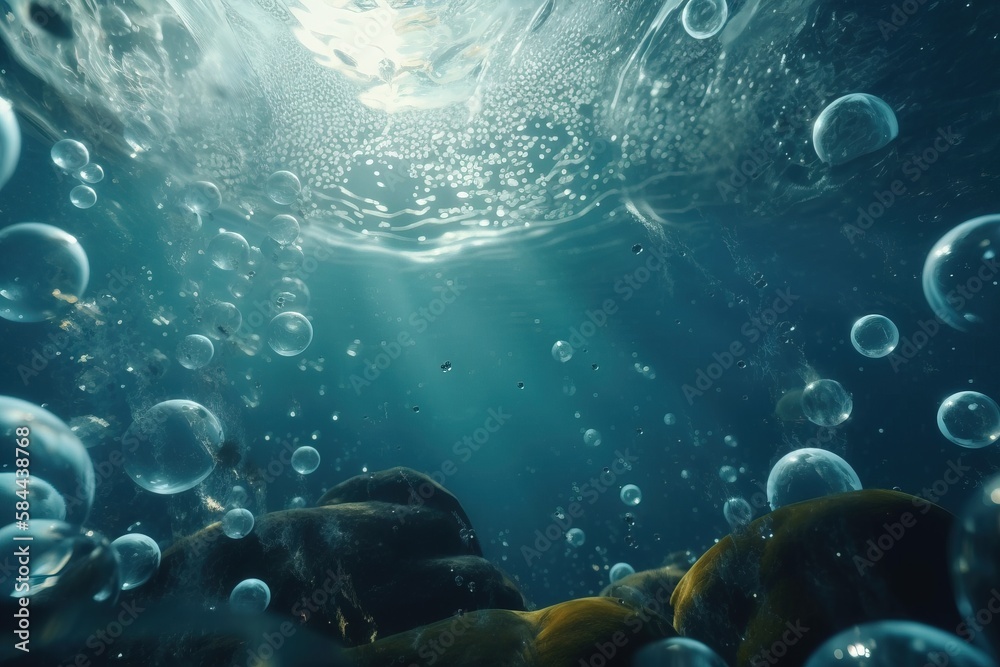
(874, 336)
(631, 495)
(305, 460)
(852, 126)
(826, 403)
(139, 558)
(172, 446)
(969, 419)
(73, 157)
(237, 523)
(807, 473)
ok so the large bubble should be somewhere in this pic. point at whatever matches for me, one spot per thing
(195, 351)
(139, 556)
(289, 334)
(283, 228)
(283, 187)
(677, 652)
(82, 196)
(305, 460)
(575, 537)
(250, 596)
(975, 561)
(852, 126)
(52, 453)
(969, 419)
(826, 403)
(10, 141)
(895, 643)
(704, 18)
(222, 320)
(874, 336)
(592, 437)
(171, 447)
(202, 197)
(229, 251)
(237, 523)
(70, 155)
(631, 495)
(960, 278)
(809, 473)
(620, 571)
(42, 270)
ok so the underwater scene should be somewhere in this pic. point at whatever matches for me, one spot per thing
(538, 333)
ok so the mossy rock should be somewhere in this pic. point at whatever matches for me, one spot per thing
(804, 572)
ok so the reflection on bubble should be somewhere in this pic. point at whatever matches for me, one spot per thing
(10, 141)
(677, 652)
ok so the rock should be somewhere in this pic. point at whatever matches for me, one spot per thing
(589, 631)
(806, 571)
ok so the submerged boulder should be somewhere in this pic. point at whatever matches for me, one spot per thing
(804, 572)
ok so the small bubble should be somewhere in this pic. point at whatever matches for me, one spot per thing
(638, 430)
(637, 248)
(520, 385)
(458, 580)
(594, 366)
(446, 366)
(416, 408)
(741, 364)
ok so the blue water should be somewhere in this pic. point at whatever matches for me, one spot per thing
(693, 302)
